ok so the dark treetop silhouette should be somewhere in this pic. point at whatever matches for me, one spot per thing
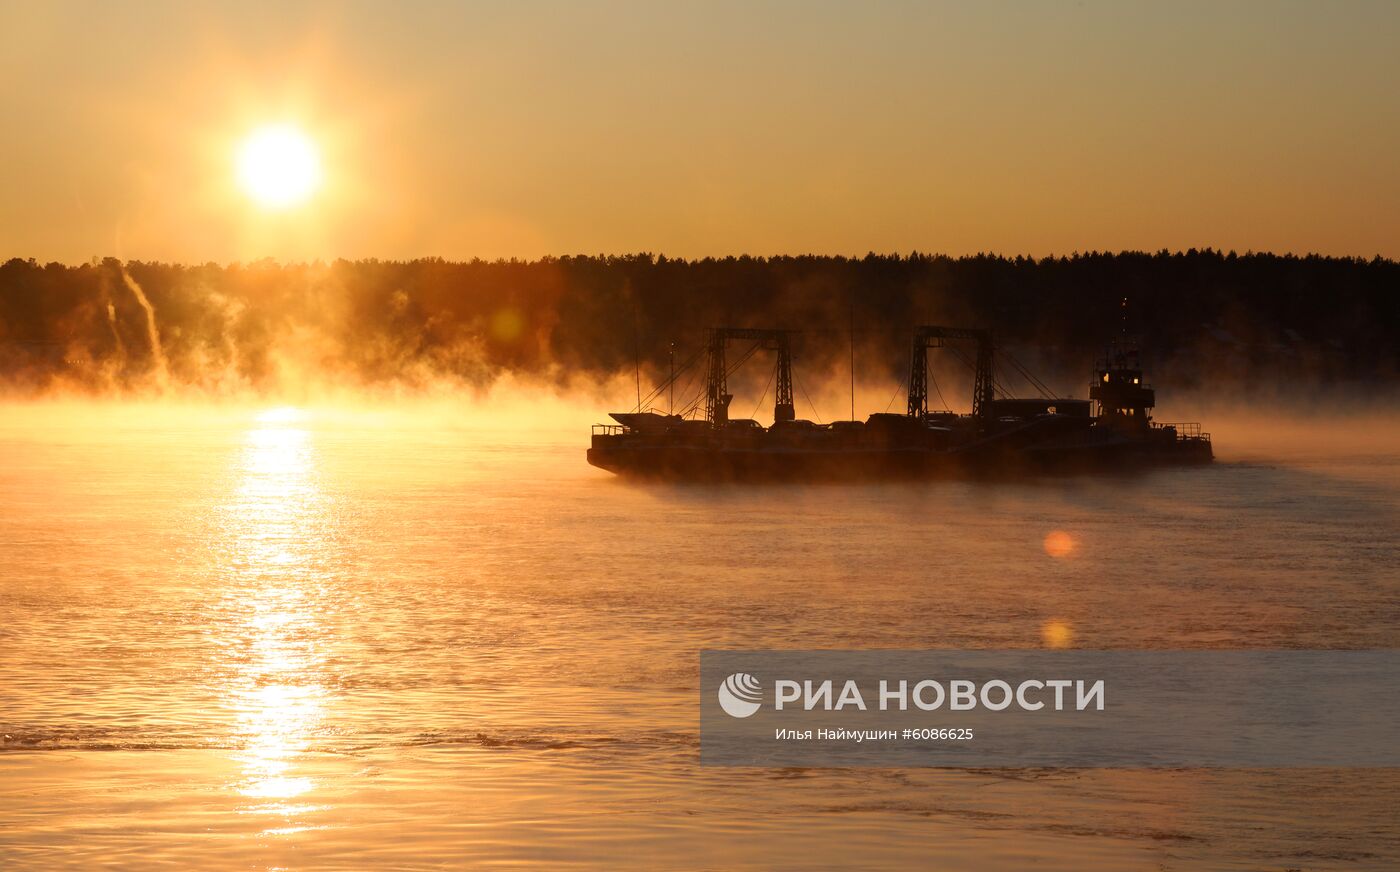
(1200, 315)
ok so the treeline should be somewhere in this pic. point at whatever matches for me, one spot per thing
(1201, 315)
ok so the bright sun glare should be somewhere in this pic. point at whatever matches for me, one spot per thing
(278, 166)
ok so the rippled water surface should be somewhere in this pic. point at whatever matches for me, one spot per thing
(288, 639)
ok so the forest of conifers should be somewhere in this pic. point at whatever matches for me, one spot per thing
(1201, 316)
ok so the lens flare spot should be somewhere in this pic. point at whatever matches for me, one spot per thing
(1058, 543)
(507, 325)
(1057, 634)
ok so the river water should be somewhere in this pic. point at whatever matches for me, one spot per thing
(280, 638)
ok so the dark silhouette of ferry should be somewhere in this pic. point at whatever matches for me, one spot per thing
(1002, 435)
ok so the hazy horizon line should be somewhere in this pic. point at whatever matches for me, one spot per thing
(661, 256)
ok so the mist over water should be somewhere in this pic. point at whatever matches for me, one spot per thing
(302, 565)
(417, 633)
(1206, 319)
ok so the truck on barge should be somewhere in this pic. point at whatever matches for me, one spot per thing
(1001, 435)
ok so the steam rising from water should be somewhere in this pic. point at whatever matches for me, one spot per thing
(293, 331)
(116, 334)
(162, 367)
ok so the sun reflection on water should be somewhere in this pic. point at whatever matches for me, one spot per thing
(272, 528)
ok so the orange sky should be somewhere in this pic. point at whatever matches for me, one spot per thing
(468, 130)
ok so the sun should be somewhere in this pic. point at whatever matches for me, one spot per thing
(279, 166)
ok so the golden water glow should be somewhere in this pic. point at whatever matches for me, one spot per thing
(277, 698)
(281, 415)
(279, 166)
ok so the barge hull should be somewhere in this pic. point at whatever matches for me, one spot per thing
(689, 463)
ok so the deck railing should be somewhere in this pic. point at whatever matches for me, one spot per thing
(1185, 431)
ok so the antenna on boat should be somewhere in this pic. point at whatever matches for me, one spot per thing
(637, 350)
(853, 359)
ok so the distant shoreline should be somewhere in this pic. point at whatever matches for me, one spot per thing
(1205, 319)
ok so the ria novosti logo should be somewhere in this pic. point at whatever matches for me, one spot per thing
(740, 695)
